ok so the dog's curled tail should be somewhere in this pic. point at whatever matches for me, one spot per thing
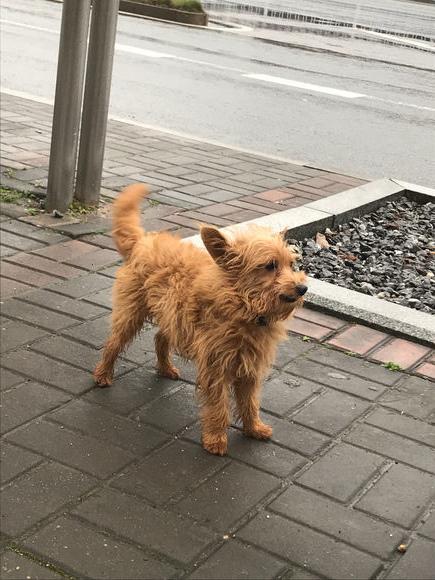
(126, 218)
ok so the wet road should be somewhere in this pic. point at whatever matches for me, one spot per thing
(365, 118)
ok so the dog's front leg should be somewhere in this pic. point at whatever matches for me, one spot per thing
(215, 414)
(247, 395)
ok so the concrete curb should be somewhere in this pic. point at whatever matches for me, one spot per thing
(310, 218)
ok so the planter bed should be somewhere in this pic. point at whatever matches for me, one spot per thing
(388, 253)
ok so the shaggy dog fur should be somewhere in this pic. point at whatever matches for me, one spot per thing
(224, 309)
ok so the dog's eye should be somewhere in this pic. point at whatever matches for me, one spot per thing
(272, 265)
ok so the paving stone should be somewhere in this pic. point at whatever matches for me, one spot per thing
(290, 349)
(295, 437)
(331, 412)
(264, 454)
(91, 553)
(16, 566)
(427, 370)
(131, 391)
(94, 332)
(204, 217)
(320, 318)
(414, 396)
(27, 401)
(220, 209)
(408, 427)
(141, 350)
(6, 251)
(341, 472)
(9, 379)
(10, 288)
(55, 302)
(66, 251)
(36, 315)
(45, 265)
(354, 365)
(403, 352)
(337, 379)
(95, 260)
(428, 528)
(239, 202)
(23, 229)
(393, 446)
(220, 195)
(283, 393)
(166, 532)
(19, 242)
(174, 412)
(72, 448)
(309, 329)
(308, 548)
(273, 195)
(357, 338)
(15, 461)
(343, 523)
(46, 370)
(40, 492)
(168, 472)
(15, 333)
(97, 422)
(26, 275)
(81, 287)
(294, 573)
(101, 240)
(237, 487)
(75, 353)
(400, 495)
(418, 562)
(237, 561)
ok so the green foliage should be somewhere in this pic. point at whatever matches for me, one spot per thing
(78, 209)
(8, 195)
(187, 5)
(392, 366)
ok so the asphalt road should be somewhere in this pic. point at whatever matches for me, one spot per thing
(365, 118)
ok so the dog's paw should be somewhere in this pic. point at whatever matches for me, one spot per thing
(169, 372)
(260, 431)
(215, 444)
(101, 378)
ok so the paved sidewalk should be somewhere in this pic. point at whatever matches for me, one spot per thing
(114, 484)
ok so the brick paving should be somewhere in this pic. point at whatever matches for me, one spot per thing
(114, 483)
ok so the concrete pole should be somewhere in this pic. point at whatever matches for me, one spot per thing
(96, 100)
(68, 103)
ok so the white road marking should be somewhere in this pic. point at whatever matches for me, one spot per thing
(22, 25)
(304, 86)
(260, 77)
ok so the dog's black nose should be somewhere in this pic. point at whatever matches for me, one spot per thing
(301, 289)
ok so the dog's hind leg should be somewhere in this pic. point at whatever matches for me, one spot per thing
(246, 393)
(164, 364)
(127, 319)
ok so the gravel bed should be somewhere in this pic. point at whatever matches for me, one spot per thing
(388, 253)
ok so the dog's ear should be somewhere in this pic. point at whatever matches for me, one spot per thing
(215, 242)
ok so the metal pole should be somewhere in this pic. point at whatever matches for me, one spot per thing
(68, 103)
(96, 100)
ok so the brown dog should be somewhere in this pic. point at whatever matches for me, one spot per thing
(224, 309)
